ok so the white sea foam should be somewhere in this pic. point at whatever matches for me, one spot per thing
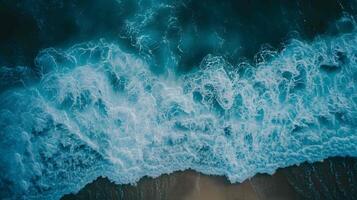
(100, 111)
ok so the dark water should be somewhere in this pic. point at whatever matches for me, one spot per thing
(127, 89)
(189, 29)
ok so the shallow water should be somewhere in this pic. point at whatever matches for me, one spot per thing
(172, 86)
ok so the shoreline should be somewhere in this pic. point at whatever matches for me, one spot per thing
(334, 177)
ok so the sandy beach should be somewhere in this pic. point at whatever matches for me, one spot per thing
(191, 185)
(333, 178)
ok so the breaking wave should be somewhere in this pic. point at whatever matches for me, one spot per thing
(94, 110)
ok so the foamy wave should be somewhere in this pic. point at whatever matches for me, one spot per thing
(100, 111)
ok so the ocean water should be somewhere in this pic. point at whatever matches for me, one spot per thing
(102, 107)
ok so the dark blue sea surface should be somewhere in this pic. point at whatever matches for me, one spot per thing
(127, 89)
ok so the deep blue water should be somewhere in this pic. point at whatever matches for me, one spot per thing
(126, 89)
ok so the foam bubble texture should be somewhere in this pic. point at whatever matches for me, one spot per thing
(100, 111)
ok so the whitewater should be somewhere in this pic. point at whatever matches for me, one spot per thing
(96, 110)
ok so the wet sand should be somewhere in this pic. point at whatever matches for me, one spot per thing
(335, 178)
(190, 185)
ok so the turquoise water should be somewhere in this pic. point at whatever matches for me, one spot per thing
(98, 108)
